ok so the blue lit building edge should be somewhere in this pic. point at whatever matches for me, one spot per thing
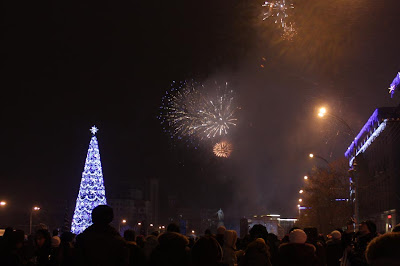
(370, 131)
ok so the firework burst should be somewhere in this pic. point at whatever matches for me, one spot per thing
(195, 111)
(218, 114)
(222, 149)
(277, 10)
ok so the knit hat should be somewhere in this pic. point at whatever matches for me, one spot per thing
(297, 236)
(55, 241)
(336, 234)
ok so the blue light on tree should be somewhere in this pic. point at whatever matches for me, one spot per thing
(92, 191)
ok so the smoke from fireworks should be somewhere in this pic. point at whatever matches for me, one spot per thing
(222, 149)
(198, 111)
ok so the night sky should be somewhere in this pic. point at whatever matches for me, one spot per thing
(68, 66)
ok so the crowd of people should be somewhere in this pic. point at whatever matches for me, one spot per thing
(100, 244)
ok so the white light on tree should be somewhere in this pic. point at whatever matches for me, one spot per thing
(92, 191)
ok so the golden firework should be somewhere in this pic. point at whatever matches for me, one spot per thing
(223, 149)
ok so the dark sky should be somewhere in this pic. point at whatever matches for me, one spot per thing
(67, 66)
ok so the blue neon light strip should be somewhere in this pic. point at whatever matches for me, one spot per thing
(369, 141)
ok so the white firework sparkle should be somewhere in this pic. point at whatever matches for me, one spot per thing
(278, 11)
(198, 111)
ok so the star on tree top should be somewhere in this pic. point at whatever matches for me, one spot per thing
(94, 130)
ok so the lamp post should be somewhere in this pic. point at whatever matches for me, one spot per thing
(3, 203)
(119, 225)
(322, 113)
(312, 155)
(35, 208)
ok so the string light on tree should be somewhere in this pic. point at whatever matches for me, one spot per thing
(92, 191)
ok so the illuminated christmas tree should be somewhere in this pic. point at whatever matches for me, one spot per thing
(92, 191)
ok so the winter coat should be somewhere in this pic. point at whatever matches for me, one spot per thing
(295, 254)
(136, 255)
(228, 250)
(334, 251)
(357, 255)
(101, 245)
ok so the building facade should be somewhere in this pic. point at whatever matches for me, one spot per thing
(374, 158)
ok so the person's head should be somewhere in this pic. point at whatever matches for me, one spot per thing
(55, 242)
(383, 250)
(221, 230)
(258, 245)
(336, 235)
(7, 232)
(129, 235)
(173, 227)
(172, 240)
(258, 231)
(151, 241)
(155, 233)
(298, 236)
(367, 227)
(42, 238)
(15, 239)
(102, 215)
(206, 251)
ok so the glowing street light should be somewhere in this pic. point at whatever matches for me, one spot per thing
(139, 223)
(124, 221)
(35, 208)
(192, 231)
(322, 112)
(301, 191)
(151, 225)
(305, 177)
(298, 205)
(300, 200)
(3, 203)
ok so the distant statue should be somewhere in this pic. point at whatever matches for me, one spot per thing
(220, 214)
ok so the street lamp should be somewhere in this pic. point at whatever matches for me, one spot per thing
(119, 225)
(300, 200)
(3, 203)
(312, 155)
(322, 112)
(305, 177)
(35, 208)
(301, 191)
